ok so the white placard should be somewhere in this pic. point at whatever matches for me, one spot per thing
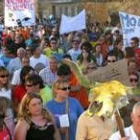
(76, 23)
(19, 11)
(64, 120)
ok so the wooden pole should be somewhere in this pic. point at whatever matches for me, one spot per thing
(119, 123)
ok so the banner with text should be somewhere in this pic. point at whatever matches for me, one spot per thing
(19, 13)
(76, 23)
(130, 27)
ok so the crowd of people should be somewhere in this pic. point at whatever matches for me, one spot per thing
(41, 98)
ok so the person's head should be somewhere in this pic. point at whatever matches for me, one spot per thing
(12, 35)
(91, 67)
(61, 88)
(135, 118)
(4, 77)
(25, 72)
(53, 43)
(67, 56)
(28, 52)
(34, 83)
(111, 58)
(85, 55)
(98, 48)
(86, 45)
(53, 63)
(134, 42)
(35, 49)
(132, 65)
(75, 43)
(4, 106)
(21, 53)
(118, 44)
(134, 79)
(32, 105)
(25, 61)
(19, 38)
(129, 52)
(64, 71)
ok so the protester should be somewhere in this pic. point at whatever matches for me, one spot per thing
(5, 89)
(132, 132)
(69, 109)
(37, 56)
(34, 83)
(94, 127)
(35, 122)
(76, 91)
(49, 74)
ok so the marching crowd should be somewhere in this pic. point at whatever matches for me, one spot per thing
(41, 98)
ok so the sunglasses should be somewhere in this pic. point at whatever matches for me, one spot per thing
(30, 85)
(3, 76)
(111, 61)
(65, 88)
(133, 80)
(91, 68)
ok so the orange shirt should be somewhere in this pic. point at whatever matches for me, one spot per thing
(81, 95)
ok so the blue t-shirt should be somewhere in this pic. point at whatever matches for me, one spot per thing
(75, 110)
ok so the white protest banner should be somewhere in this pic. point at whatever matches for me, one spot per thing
(76, 23)
(130, 27)
(19, 12)
(115, 71)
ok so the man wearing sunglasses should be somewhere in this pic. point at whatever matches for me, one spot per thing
(76, 91)
(54, 50)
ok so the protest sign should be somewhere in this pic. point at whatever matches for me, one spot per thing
(76, 23)
(114, 71)
(19, 13)
(130, 27)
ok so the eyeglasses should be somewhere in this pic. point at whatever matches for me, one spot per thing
(30, 85)
(133, 80)
(111, 61)
(4, 76)
(65, 88)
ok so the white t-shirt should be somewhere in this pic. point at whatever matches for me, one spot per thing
(129, 132)
(16, 77)
(6, 93)
(42, 59)
(74, 54)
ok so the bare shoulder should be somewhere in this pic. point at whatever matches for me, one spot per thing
(21, 130)
(22, 123)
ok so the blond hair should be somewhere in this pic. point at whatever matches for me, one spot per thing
(4, 71)
(23, 108)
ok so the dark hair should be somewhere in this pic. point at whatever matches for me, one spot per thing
(89, 57)
(53, 39)
(129, 52)
(87, 46)
(24, 71)
(35, 80)
(67, 56)
(117, 42)
(136, 39)
(63, 70)
(33, 47)
(134, 73)
(111, 53)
